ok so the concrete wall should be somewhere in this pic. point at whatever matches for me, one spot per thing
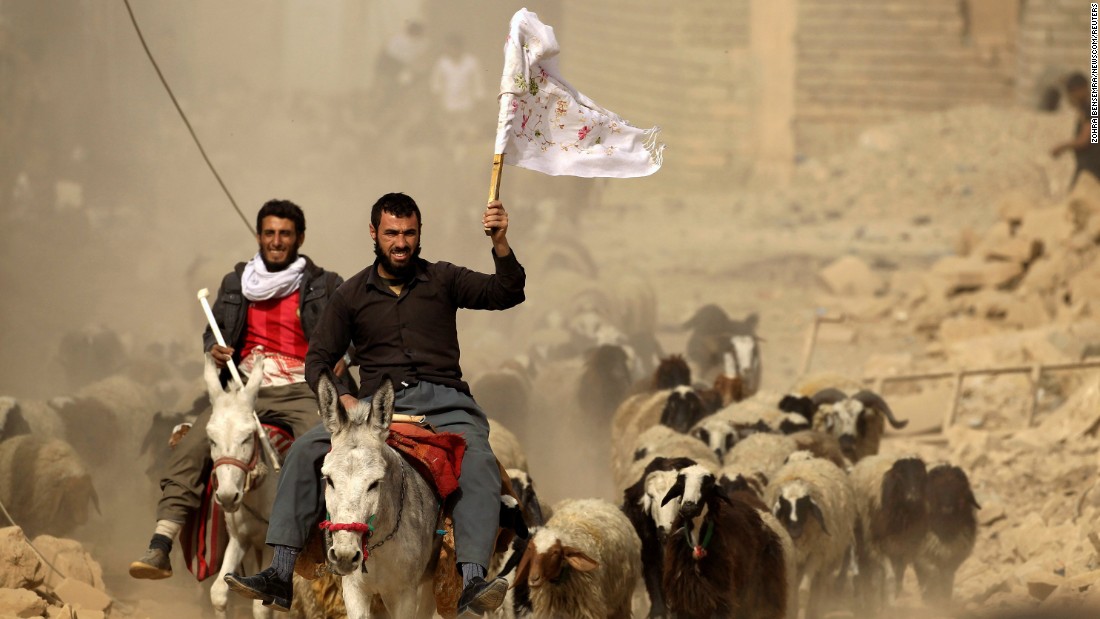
(1053, 40)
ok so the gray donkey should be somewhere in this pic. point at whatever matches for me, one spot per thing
(384, 515)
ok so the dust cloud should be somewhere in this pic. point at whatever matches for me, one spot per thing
(110, 221)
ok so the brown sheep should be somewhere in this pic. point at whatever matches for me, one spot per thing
(737, 560)
(952, 530)
(45, 485)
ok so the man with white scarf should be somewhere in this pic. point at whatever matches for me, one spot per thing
(272, 303)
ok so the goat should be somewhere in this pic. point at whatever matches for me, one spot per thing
(711, 330)
(952, 529)
(583, 563)
(893, 521)
(733, 560)
(813, 499)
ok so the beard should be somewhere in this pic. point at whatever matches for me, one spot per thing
(400, 272)
(273, 267)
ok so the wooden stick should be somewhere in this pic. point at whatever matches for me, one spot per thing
(494, 183)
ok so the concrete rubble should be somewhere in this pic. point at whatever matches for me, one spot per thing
(29, 587)
(1024, 292)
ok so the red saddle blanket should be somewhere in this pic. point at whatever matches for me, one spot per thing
(203, 537)
(437, 456)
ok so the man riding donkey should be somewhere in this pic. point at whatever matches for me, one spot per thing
(400, 315)
(271, 303)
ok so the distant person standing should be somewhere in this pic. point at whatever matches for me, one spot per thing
(1086, 153)
(457, 85)
(397, 65)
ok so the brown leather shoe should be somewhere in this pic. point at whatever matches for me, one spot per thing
(153, 565)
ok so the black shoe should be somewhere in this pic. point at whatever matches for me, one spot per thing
(265, 586)
(481, 596)
(153, 565)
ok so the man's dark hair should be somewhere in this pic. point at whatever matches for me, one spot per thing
(396, 204)
(1077, 80)
(284, 209)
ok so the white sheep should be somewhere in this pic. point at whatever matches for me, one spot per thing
(635, 415)
(765, 453)
(661, 441)
(814, 500)
(584, 563)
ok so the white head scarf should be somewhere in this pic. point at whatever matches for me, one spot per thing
(259, 284)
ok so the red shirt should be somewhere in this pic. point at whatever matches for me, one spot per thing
(275, 325)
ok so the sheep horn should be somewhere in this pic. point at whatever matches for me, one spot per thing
(828, 396)
(875, 401)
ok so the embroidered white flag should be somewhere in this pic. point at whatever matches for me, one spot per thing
(546, 125)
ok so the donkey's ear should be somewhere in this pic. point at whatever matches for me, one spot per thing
(210, 375)
(332, 411)
(381, 409)
(256, 378)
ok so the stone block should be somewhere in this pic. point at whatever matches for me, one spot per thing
(1051, 225)
(21, 603)
(70, 558)
(850, 275)
(20, 567)
(1040, 586)
(960, 328)
(82, 595)
(1018, 250)
(1012, 206)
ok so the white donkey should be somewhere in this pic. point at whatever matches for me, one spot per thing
(239, 469)
(383, 513)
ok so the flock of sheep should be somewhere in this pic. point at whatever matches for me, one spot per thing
(733, 499)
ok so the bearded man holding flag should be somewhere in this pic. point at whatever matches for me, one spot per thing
(399, 313)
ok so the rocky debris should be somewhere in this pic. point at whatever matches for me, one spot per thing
(850, 275)
(20, 567)
(30, 588)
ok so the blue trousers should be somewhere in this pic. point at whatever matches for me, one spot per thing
(300, 500)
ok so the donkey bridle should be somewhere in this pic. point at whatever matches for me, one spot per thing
(367, 530)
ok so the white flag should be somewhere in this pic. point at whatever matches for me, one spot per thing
(547, 126)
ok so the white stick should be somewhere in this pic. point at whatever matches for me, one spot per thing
(265, 440)
(203, 294)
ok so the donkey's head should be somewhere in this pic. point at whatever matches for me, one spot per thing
(234, 445)
(354, 470)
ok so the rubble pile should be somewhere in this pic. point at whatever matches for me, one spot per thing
(64, 582)
(1020, 293)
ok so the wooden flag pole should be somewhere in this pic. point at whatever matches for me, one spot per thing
(494, 183)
